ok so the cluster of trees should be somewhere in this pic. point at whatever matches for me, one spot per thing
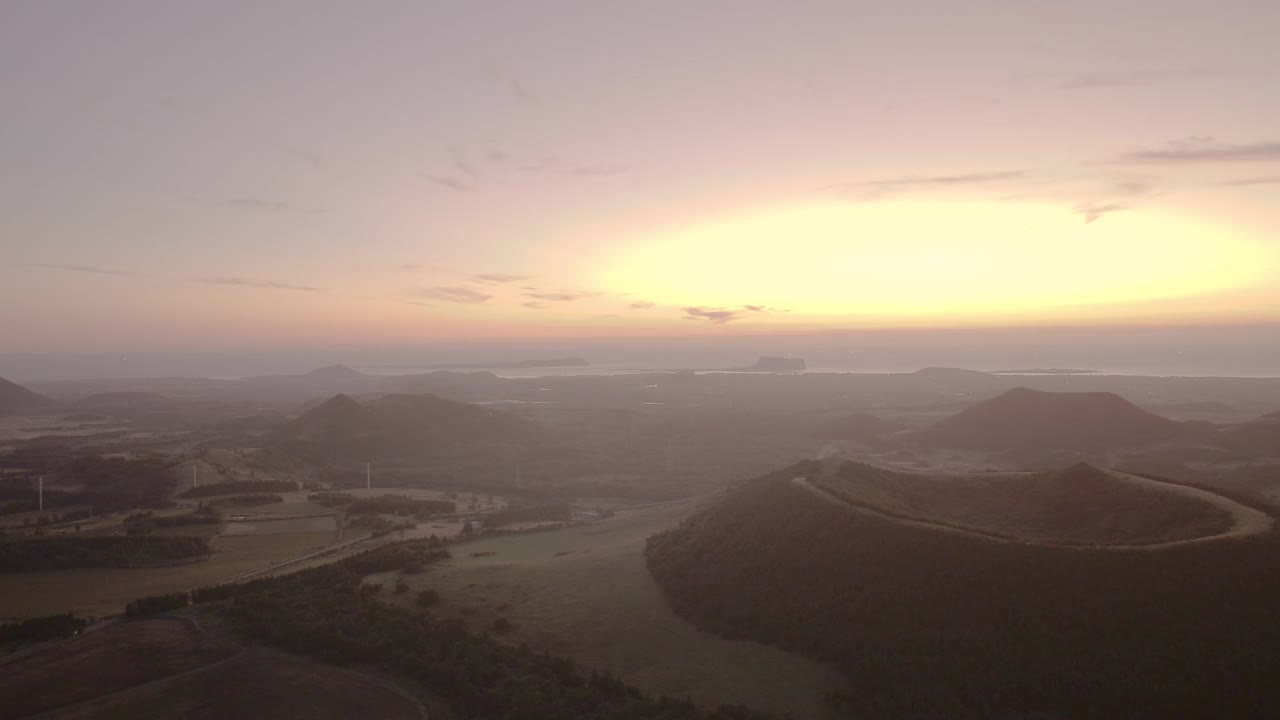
(532, 513)
(927, 623)
(109, 483)
(62, 553)
(239, 487)
(157, 603)
(49, 627)
(331, 499)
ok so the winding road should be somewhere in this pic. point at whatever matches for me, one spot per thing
(1247, 521)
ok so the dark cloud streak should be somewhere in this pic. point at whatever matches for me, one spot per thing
(497, 278)
(455, 294)
(1203, 151)
(250, 282)
(91, 269)
(936, 181)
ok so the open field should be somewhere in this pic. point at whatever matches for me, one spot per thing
(584, 592)
(102, 661)
(256, 684)
(103, 591)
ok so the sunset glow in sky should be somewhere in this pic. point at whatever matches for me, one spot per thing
(258, 175)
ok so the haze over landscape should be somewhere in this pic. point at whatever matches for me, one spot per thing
(695, 361)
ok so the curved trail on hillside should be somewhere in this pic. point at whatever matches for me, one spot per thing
(1246, 521)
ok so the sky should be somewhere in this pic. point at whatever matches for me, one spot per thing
(198, 176)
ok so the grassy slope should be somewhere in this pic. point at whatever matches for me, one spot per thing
(598, 605)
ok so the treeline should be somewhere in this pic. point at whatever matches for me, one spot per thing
(928, 624)
(145, 522)
(535, 513)
(250, 500)
(240, 487)
(62, 553)
(323, 612)
(39, 629)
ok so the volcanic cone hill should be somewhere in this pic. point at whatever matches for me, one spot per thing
(17, 400)
(929, 622)
(1024, 419)
(1078, 505)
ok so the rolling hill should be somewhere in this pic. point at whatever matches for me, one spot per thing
(17, 400)
(930, 622)
(1024, 419)
(1261, 435)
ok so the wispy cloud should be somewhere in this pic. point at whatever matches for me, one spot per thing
(462, 164)
(1245, 182)
(447, 181)
(720, 316)
(250, 282)
(521, 92)
(559, 296)
(557, 166)
(497, 278)
(1115, 196)
(306, 156)
(712, 315)
(273, 206)
(641, 305)
(534, 305)
(419, 304)
(1110, 80)
(924, 183)
(92, 269)
(455, 294)
(1203, 150)
(1093, 211)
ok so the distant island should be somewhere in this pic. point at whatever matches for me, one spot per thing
(546, 363)
(774, 364)
(762, 364)
(1043, 371)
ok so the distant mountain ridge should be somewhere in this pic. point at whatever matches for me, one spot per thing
(1025, 419)
(17, 400)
